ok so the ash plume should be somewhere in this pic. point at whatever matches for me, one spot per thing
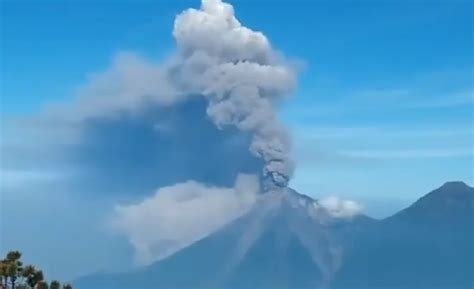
(241, 77)
(232, 68)
(193, 124)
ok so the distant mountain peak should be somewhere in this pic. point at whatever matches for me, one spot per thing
(428, 244)
(456, 190)
(455, 185)
(454, 199)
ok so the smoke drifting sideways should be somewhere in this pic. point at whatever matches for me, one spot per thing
(181, 214)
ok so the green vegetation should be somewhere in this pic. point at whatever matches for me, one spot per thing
(15, 275)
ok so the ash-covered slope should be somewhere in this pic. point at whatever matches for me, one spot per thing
(286, 241)
(429, 245)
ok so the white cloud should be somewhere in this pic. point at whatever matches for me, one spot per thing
(179, 215)
(390, 102)
(322, 146)
(19, 178)
(385, 154)
(340, 208)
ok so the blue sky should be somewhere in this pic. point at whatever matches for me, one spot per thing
(384, 108)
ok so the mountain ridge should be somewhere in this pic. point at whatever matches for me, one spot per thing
(427, 245)
(289, 241)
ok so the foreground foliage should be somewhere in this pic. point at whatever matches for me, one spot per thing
(15, 275)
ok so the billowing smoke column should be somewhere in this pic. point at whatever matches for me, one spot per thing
(222, 75)
(241, 76)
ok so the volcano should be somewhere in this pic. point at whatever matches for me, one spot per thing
(289, 241)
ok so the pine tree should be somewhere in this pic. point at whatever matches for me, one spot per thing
(13, 275)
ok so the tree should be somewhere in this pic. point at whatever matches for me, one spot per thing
(55, 285)
(3, 274)
(13, 268)
(42, 285)
(32, 276)
(13, 275)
